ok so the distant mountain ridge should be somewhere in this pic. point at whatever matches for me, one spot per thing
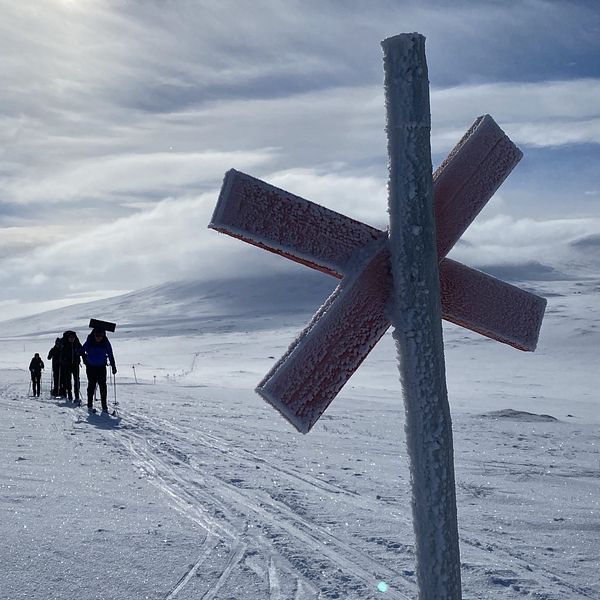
(246, 303)
(286, 298)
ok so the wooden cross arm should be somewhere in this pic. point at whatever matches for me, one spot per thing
(286, 224)
(469, 177)
(313, 235)
(491, 307)
(303, 383)
(271, 218)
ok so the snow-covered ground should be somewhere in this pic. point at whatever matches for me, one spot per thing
(198, 489)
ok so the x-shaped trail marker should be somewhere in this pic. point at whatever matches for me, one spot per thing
(302, 384)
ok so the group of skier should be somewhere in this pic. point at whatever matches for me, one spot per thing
(66, 356)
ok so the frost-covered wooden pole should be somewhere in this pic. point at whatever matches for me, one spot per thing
(415, 313)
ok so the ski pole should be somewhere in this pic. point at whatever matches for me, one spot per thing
(114, 379)
(114, 385)
(60, 385)
(58, 389)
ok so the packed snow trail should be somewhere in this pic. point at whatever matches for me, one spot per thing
(169, 445)
(233, 508)
(277, 511)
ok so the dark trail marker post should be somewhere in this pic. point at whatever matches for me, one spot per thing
(403, 279)
(416, 317)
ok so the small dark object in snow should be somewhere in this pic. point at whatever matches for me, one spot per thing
(518, 415)
(106, 325)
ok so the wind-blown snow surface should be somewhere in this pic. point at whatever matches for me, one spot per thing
(200, 490)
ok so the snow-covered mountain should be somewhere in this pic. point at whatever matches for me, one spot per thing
(191, 306)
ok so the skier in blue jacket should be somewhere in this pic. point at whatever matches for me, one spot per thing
(95, 352)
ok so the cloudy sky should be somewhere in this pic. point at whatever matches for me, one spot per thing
(118, 119)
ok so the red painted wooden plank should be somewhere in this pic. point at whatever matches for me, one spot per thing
(280, 222)
(489, 306)
(336, 341)
(303, 383)
(332, 346)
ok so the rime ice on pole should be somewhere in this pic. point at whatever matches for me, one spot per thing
(319, 362)
(415, 312)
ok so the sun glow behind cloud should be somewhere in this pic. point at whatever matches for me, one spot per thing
(130, 114)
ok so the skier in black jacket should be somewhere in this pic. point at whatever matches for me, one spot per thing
(35, 368)
(70, 357)
(54, 355)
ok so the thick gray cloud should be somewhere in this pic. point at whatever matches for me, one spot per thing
(118, 120)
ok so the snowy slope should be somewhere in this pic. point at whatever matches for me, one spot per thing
(200, 490)
(191, 306)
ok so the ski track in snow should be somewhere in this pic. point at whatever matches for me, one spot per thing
(210, 546)
(164, 452)
(510, 560)
(170, 467)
